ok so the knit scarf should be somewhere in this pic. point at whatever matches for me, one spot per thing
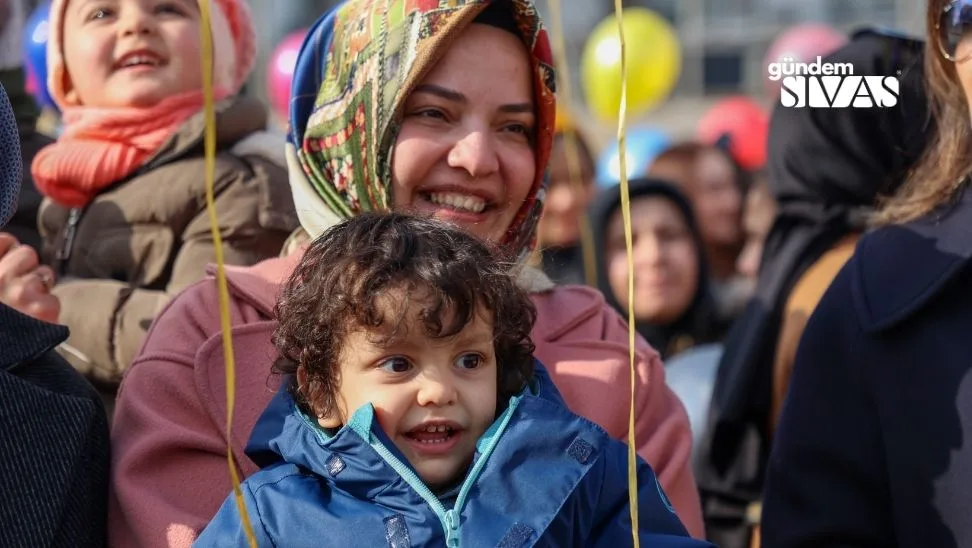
(101, 146)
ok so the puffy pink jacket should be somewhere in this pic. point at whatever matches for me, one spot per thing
(169, 469)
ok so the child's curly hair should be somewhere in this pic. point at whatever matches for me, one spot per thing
(343, 274)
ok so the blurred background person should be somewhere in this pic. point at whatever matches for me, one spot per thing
(568, 195)
(715, 186)
(828, 168)
(673, 305)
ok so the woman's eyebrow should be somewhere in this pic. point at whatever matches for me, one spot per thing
(457, 97)
(439, 91)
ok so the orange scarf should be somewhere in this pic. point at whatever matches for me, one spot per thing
(101, 146)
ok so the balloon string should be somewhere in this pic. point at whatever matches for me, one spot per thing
(224, 312)
(571, 147)
(626, 216)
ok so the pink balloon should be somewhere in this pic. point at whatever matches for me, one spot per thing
(280, 72)
(802, 44)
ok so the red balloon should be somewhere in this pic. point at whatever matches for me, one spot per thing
(280, 72)
(745, 123)
(801, 44)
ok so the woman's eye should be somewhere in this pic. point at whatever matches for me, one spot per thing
(395, 365)
(434, 114)
(469, 361)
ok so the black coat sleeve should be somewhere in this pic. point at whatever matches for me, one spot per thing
(827, 480)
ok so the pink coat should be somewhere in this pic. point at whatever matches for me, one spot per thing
(169, 469)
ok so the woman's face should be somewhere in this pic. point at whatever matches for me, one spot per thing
(465, 152)
(666, 263)
(566, 199)
(717, 200)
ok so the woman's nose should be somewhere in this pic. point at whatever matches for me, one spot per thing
(475, 153)
(647, 251)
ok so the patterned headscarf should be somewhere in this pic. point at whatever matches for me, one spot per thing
(355, 70)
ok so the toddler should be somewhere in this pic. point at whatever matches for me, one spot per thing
(415, 414)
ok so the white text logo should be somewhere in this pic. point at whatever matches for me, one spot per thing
(831, 85)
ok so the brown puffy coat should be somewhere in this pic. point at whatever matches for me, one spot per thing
(137, 244)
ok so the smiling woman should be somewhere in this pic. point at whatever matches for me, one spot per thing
(445, 108)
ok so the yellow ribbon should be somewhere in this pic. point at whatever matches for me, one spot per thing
(626, 216)
(209, 109)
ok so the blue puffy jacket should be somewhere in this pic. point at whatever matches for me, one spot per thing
(541, 476)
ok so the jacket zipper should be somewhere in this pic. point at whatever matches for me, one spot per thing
(67, 243)
(448, 518)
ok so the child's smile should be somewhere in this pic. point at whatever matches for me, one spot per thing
(124, 53)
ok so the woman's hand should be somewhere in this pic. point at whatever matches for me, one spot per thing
(25, 284)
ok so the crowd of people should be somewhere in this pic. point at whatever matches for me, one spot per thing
(428, 298)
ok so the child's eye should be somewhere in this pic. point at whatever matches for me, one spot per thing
(170, 7)
(469, 361)
(396, 364)
(99, 13)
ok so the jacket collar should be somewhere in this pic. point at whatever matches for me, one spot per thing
(901, 268)
(23, 338)
(236, 118)
(346, 459)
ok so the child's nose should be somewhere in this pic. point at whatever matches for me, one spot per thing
(136, 20)
(436, 390)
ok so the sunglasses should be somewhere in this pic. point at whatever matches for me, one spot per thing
(953, 24)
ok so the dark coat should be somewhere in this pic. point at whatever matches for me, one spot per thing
(54, 453)
(874, 446)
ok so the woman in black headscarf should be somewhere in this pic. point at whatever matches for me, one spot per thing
(673, 304)
(828, 168)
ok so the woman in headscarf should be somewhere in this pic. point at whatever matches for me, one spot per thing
(673, 304)
(874, 446)
(440, 107)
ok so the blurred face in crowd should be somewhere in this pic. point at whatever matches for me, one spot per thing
(131, 53)
(757, 221)
(717, 199)
(666, 263)
(566, 199)
(465, 152)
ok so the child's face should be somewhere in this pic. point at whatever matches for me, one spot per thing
(131, 53)
(434, 398)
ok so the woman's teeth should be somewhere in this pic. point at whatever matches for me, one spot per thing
(462, 202)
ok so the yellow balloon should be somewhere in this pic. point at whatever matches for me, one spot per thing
(654, 62)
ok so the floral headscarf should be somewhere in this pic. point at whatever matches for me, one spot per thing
(354, 72)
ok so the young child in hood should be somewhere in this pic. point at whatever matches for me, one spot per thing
(124, 221)
(414, 415)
